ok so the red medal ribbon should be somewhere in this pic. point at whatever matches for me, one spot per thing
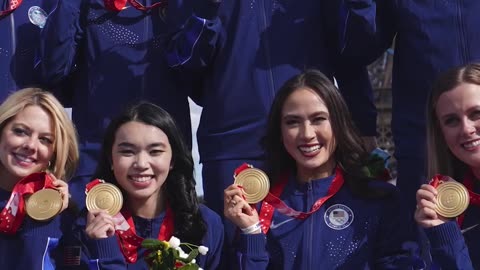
(129, 241)
(12, 215)
(468, 182)
(272, 202)
(12, 5)
(119, 5)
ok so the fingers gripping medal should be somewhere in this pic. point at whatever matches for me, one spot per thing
(105, 196)
(254, 182)
(44, 204)
(452, 198)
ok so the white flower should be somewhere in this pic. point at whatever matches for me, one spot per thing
(203, 250)
(199, 268)
(174, 242)
(181, 253)
(193, 261)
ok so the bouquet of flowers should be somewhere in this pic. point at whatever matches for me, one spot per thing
(162, 255)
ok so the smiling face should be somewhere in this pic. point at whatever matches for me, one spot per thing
(307, 134)
(458, 113)
(26, 145)
(141, 160)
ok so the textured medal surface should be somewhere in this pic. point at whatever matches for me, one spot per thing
(44, 204)
(105, 196)
(255, 184)
(452, 199)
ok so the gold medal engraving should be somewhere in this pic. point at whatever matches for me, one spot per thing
(44, 204)
(452, 199)
(255, 184)
(105, 196)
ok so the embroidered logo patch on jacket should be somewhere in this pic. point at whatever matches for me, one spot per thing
(338, 216)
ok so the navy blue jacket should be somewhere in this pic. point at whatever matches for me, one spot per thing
(347, 232)
(104, 250)
(39, 245)
(246, 51)
(448, 247)
(111, 60)
(20, 38)
(431, 37)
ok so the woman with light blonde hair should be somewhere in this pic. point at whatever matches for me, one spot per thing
(38, 154)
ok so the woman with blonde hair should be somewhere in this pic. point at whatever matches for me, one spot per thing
(38, 153)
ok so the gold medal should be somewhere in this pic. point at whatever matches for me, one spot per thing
(105, 196)
(44, 204)
(255, 184)
(452, 199)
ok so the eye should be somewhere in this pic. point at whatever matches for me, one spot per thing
(475, 115)
(451, 121)
(291, 122)
(156, 152)
(46, 140)
(319, 119)
(19, 131)
(126, 152)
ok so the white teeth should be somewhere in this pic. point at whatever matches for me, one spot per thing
(23, 158)
(141, 178)
(309, 149)
(471, 144)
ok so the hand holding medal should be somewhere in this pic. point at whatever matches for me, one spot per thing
(442, 199)
(253, 182)
(452, 197)
(46, 203)
(103, 196)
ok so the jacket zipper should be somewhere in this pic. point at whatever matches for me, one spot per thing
(310, 224)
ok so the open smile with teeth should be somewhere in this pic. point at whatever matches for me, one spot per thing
(141, 178)
(309, 149)
(471, 144)
(23, 158)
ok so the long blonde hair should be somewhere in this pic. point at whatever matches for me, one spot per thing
(65, 156)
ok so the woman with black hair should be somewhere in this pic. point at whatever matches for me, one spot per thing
(324, 210)
(145, 156)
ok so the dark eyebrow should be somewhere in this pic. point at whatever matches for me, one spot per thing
(127, 144)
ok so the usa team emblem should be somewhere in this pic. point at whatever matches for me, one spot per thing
(37, 16)
(338, 216)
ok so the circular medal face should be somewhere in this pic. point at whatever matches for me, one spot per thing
(452, 199)
(105, 196)
(255, 184)
(44, 204)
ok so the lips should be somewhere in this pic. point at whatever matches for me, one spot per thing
(310, 149)
(471, 145)
(23, 159)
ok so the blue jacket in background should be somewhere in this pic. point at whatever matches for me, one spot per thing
(347, 232)
(246, 51)
(111, 60)
(20, 39)
(430, 37)
(44, 245)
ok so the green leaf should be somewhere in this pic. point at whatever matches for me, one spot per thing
(154, 244)
(189, 267)
(192, 255)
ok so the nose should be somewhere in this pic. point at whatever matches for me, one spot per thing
(308, 132)
(469, 127)
(140, 161)
(30, 144)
